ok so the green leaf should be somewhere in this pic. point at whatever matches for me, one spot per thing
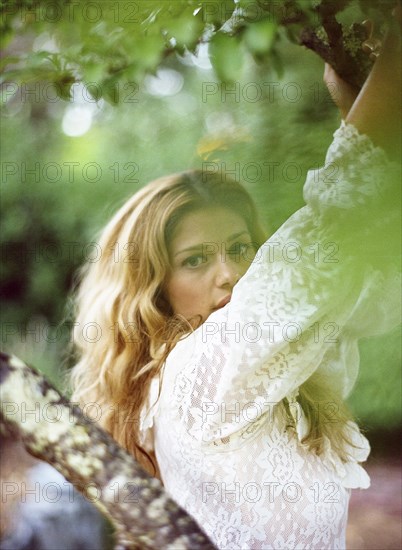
(227, 57)
(151, 51)
(6, 36)
(35, 59)
(277, 64)
(63, 86)
(8, 60)
(110, 90)
(185, 30)
(260, 36)
(93, 72)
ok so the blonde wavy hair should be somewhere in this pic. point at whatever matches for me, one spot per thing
(122, 295)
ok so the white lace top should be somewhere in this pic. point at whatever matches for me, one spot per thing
(222, 438)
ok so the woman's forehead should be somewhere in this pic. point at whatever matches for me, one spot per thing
(212, 224)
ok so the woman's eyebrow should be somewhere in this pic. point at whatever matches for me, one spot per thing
(201, 246)
(237, 235)
(193, 247)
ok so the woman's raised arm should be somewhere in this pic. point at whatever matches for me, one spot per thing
(377, 110)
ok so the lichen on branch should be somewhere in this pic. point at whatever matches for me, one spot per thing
(57, 432)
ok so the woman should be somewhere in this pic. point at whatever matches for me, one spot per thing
(223, 364)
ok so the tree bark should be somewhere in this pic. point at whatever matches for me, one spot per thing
(339, 46)
(343, 53)
(54, 430)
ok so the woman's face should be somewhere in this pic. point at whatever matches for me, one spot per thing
(210, 250)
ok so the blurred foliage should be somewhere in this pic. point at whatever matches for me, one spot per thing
(69, 162)
(113, 42)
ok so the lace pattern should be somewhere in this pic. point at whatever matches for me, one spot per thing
(220, 430)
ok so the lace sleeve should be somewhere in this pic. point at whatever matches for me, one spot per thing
(293, 310)
(356, 173)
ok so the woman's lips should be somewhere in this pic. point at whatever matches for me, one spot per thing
(223, 302)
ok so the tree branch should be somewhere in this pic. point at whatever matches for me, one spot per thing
(342, 50)
(144, 516)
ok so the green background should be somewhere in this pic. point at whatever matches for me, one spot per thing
(264, 128)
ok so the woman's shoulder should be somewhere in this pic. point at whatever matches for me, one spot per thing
(163, 382)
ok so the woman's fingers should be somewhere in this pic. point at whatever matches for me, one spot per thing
(369, 26)
(372, 47)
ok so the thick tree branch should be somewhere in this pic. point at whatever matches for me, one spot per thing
(340, 47)
(58, 433)
(343, 51)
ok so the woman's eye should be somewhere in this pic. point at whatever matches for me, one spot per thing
(194, 261)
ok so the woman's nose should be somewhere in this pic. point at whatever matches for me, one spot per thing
(227, 272)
